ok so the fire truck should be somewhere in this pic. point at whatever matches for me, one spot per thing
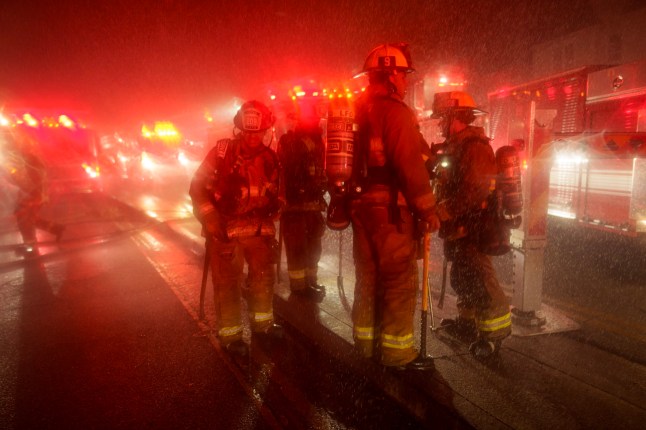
(587, 129)
(581, 135)
(67, 145)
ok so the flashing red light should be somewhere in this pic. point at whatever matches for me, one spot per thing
(551, 93)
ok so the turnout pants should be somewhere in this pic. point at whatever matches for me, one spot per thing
(27, 213)
(227, 264)
(386, 284)
(480, 296)
(302, 233)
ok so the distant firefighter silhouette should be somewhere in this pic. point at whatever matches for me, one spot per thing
(25, 169)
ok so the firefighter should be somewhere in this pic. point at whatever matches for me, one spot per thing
(24, 168)
(301, 152)
(235, 197)
(395, 190)
(464, 186)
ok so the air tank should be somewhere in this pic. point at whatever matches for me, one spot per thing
(509, 180)
(339, 150)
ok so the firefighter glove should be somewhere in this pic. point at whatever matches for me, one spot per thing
(275, 208)
(214, 226)
(429, 224)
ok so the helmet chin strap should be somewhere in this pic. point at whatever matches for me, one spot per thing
(447, 124)
(392, 88)
(271, 140)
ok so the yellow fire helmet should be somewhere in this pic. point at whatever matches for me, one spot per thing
(452, 101)
(388, 57)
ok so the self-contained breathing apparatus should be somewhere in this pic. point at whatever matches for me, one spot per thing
(501, 212)
(234, 181)
(342, 130)
(339, 154)
(504, 205)
(502, 209)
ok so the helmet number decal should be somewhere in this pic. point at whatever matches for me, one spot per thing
(251, 120)
(387, 61)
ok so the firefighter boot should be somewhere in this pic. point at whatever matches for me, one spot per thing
(463, 329)
(420, 364)
(316, 286)
(310, 292)
(485, 350)
(238, 348)
(275, 332)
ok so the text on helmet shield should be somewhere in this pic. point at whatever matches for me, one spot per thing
(388, 61)
(251, 120)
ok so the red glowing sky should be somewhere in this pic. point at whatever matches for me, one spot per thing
(126, 61)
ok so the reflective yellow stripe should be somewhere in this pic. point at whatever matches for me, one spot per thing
(262, 316)
(296, 275)
(496, 323)
(230, 331)
(397, 342)
(249, 227)
(364, 333)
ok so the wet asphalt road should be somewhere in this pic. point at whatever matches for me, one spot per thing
(94, 337)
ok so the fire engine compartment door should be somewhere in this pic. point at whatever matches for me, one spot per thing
(617, 82)
(638, 197)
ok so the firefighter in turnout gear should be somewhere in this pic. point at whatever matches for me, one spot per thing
(395, 192)
(25, 168)
(235, 197)
(301, 152)
(464, 187)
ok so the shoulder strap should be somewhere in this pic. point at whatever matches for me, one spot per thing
(221, 147)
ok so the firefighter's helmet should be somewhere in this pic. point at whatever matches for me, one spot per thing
(453, 101)
(253, 116)
(389, 57)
